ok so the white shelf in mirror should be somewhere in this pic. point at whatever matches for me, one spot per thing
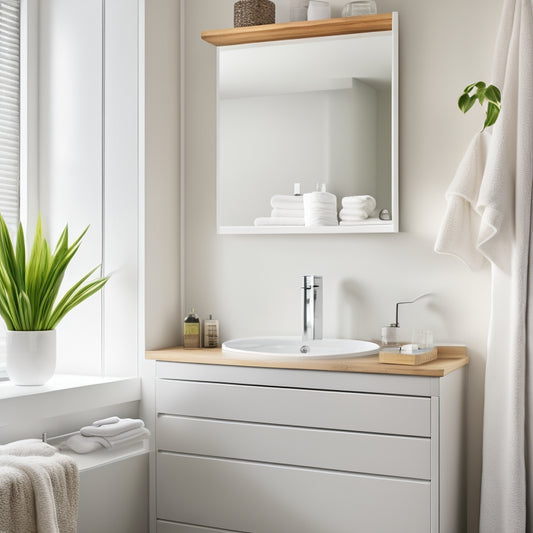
(332, 120)
(374, 226)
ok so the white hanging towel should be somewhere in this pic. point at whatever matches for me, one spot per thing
(492, 204)
(475, 210)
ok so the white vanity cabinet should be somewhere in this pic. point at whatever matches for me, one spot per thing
(270, 450)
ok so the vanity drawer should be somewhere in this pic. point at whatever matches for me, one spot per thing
(174, 527)
(260, 498)
(374, 413)
(334, 450)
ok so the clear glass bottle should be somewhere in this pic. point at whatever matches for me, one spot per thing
(359, 7)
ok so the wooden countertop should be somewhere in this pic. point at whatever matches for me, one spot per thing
(450, 358)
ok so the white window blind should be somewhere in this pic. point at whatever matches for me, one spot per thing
(9, 126)
(10, 111)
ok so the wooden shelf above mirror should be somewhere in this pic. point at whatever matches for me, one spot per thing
(299, 30)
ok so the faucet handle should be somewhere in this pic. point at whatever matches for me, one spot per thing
(311, 281)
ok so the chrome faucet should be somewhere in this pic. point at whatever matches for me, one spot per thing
(312, 300)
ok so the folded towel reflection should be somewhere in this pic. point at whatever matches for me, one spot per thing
(356, 208)
(279, 221)
(285, 201)
(366, 202)
(292, 213)
(39, 489)
(320, 209)
(353, 214)
(106, 435)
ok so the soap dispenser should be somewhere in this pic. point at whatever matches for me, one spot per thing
(191, 330)
(393, 335)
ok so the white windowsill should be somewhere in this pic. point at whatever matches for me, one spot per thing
(65, 394)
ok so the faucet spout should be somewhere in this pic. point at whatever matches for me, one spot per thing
(312, 308)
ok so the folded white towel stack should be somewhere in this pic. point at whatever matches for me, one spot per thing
(111, 429)
(107, 433)
(320, 209)
(356, 208)
(279, 212)
(39, 488)
(287, 210)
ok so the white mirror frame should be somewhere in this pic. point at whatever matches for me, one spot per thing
(391, 226)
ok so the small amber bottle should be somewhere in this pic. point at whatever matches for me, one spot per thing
(191, 330)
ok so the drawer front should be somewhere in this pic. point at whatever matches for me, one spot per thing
(173, 527)
(374, 413)
(260, 498)
(334, 450)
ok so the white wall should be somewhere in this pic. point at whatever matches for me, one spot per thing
(251, 283)
(71, 158)
(89, 172)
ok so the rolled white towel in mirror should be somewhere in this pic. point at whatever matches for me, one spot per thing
(320, 209)
(292, 213)
(353, 214)
(286, 201)
(322, 222)
(279, 221)
(320, 197)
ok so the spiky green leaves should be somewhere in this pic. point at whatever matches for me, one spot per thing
(29, 290)
(491, 94)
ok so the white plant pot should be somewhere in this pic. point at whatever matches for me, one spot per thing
(31, 356)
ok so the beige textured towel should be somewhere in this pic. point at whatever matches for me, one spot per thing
(38, 493)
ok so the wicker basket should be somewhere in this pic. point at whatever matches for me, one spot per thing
(254, 13)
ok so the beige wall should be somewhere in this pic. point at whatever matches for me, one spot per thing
(162, 173)
(251, 283)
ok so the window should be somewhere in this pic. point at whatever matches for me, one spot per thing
(9, 122)
(10, 111)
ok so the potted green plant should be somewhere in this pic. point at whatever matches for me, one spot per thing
(482, 93)
(29, 300)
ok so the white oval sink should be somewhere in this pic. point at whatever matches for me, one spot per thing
(278, 347)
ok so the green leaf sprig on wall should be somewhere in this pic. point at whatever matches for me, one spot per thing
(29, 290)
(483, 93)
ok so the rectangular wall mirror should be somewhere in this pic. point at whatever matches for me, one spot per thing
(318, 110)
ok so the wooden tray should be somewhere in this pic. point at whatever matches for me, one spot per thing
(395, 357)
